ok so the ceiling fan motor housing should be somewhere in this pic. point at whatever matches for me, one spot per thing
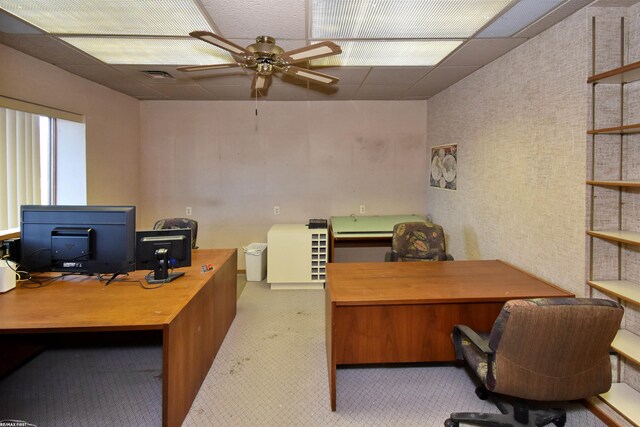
(265, 47)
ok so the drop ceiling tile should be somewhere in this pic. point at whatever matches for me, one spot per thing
(287, 92)
(480, 52)
(141, 17)
(338, 92)
(137, 72)
(614, 3)
(100, 73)
(439, 79)
(137, 91)
(223, 78)
(405, 76)
(239, 93)
(347, 75)
(47, 49)
(389, 92)
(187, 92)
(415, 98)
(239, 19)
(12, 25)
(553, 18)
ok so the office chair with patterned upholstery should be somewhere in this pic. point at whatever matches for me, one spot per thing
(418, 241)
(172, 223)
(546, 349)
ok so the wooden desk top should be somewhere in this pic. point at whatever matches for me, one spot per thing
(81, 303)
(389, 283)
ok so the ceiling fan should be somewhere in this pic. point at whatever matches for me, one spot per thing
(265, 57)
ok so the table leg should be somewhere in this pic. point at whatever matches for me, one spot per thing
(331, 360)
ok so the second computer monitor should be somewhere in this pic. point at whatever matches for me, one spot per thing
(162, 251)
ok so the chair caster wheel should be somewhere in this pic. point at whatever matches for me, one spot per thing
(450, 423)
(560, 421)
(482, 393)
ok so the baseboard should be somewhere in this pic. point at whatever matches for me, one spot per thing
(604, 412)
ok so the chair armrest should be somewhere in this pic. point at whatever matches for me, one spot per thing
(477, 340)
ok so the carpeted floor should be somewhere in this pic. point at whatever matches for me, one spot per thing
(270, 371)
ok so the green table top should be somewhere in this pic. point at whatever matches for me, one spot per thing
(373, 225)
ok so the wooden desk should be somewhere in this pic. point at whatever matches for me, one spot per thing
(364, 231)
(193, 312)
(405, 311)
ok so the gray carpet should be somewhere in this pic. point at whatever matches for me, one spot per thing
(271, 371)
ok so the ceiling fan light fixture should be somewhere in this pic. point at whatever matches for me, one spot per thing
(264, 69)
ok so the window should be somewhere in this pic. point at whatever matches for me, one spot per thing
(42, 158)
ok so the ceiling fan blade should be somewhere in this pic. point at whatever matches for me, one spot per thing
(221, 42)
(260, 82)
(207, 67)
(314, 51)
(313, 76)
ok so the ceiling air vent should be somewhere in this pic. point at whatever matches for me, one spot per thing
(157, 74)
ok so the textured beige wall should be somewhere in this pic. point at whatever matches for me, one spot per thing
(111, 119)
(520, 126)
(313, 160)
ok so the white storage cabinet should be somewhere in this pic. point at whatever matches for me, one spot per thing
(297, 257)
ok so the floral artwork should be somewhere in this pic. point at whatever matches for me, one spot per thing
(444, 167)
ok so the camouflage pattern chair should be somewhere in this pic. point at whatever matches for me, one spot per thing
(418, 241)
(546, 349)
(173, 223)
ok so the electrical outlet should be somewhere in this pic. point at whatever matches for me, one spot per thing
(276, 210)
(188, 210)
(362, 209)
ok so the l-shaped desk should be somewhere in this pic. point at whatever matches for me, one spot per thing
(193, 313)
(405, 311)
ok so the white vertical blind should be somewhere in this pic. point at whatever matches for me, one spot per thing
(19, 164)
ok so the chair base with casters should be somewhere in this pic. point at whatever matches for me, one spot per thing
(518, 413)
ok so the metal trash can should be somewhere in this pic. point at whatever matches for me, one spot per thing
(255, 256)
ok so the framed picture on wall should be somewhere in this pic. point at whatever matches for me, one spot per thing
(444, 167)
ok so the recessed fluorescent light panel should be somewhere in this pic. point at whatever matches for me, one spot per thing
(348, 19)
(520, 16)
(150, 51)
(395, 52)
(115, 17)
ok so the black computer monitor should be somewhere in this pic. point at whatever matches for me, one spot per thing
(162, 251)
(78, 239)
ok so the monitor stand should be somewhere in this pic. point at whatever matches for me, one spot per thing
(169, 277)
(161, 273)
